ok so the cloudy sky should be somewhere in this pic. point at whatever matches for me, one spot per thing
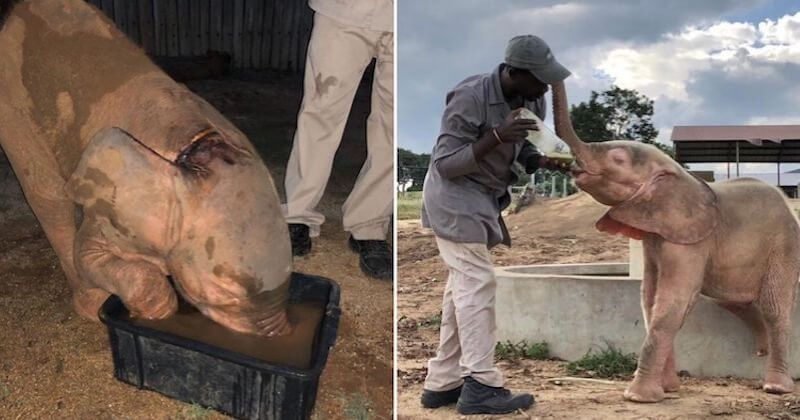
(702, 62)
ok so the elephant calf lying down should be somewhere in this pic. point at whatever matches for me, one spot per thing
(177, 190)
(736, 242)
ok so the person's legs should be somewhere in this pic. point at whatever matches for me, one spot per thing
(443, 382)
(473, 285)
(336, 59)
(368, 209)
(473, 299)
(444, 370)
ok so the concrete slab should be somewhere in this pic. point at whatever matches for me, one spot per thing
(574, 311)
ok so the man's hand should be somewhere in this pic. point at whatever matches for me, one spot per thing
(515, 129)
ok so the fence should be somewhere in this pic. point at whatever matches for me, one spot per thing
(415, 175)
(261, 34)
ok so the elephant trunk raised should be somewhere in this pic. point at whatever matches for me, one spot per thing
(565, 131)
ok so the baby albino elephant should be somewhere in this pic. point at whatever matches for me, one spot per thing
(167, 186)
(735, 242)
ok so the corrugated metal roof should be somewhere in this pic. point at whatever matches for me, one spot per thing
(754, 134)
(718, 143)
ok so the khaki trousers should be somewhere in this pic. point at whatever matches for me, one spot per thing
(467, 334)
(337, 56)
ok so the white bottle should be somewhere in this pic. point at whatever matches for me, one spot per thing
(546, 140)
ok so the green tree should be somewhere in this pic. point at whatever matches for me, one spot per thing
(412, 165)
(617, 114)
(406, 157)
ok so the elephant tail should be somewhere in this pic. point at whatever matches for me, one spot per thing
(5, 9)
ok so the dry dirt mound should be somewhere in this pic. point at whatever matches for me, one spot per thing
(573, 215)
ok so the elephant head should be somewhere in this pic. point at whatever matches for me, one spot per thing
(647, 190)
(210, 218)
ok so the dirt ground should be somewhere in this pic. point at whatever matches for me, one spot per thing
(553, 231)
(54, 364)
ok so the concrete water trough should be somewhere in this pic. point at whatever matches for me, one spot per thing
(578, 307)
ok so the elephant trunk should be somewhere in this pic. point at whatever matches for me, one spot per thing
(565, 131)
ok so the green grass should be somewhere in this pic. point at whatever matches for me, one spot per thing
(433, 321)
(195, 412)
(607, 363)
(409, 205)
(522, 350)
(4, 391)
(358, 407)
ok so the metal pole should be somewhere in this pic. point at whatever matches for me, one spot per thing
(737, 159)
(729, 168)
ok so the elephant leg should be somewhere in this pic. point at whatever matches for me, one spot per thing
(657, 354)
(669, 378)
(43, 188)
(752, 317)
(680, 278)
(777, 304)
(139, 281)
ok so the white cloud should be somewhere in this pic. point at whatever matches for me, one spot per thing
(666, 68)
(786, 30)
(698, 66)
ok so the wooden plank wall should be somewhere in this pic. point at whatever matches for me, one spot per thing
(258, 34)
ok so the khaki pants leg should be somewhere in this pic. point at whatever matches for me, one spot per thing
(368, 208)
(337, 57)
(467, 337)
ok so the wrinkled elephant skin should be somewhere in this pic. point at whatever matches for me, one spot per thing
(736, 242)
(163, 185)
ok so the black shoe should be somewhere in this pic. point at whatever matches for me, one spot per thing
(477, 398)
(301, 242)
(436, 399)
(375, 257)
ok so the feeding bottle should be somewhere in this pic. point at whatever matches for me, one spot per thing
(546, 140)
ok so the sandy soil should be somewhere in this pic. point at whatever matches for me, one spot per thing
(55, 365)
(555, 231)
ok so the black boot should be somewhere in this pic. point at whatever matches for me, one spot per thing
(301, 242)
(477, 398)
(436, 399)
(375, 257)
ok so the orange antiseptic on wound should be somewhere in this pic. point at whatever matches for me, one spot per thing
(609, 225)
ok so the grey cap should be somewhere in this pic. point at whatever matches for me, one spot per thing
(531, 53)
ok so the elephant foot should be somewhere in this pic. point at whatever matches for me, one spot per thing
(154, 305)
(670, 382)
(644, 391)
(87, 302)
(778, 383)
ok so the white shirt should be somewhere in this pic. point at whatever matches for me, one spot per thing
(376, 15)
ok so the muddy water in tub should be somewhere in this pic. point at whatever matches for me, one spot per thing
(289, 350)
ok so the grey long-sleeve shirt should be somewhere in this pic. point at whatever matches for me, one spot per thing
(463, 196)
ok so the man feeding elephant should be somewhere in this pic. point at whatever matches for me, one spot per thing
(166, 184)
(464, 192)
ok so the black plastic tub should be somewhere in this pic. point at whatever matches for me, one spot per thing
(235, 384)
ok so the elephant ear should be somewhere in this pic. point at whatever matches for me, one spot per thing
(676, 206)
(128, 188)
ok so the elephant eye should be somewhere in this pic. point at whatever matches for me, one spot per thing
(618, 156)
